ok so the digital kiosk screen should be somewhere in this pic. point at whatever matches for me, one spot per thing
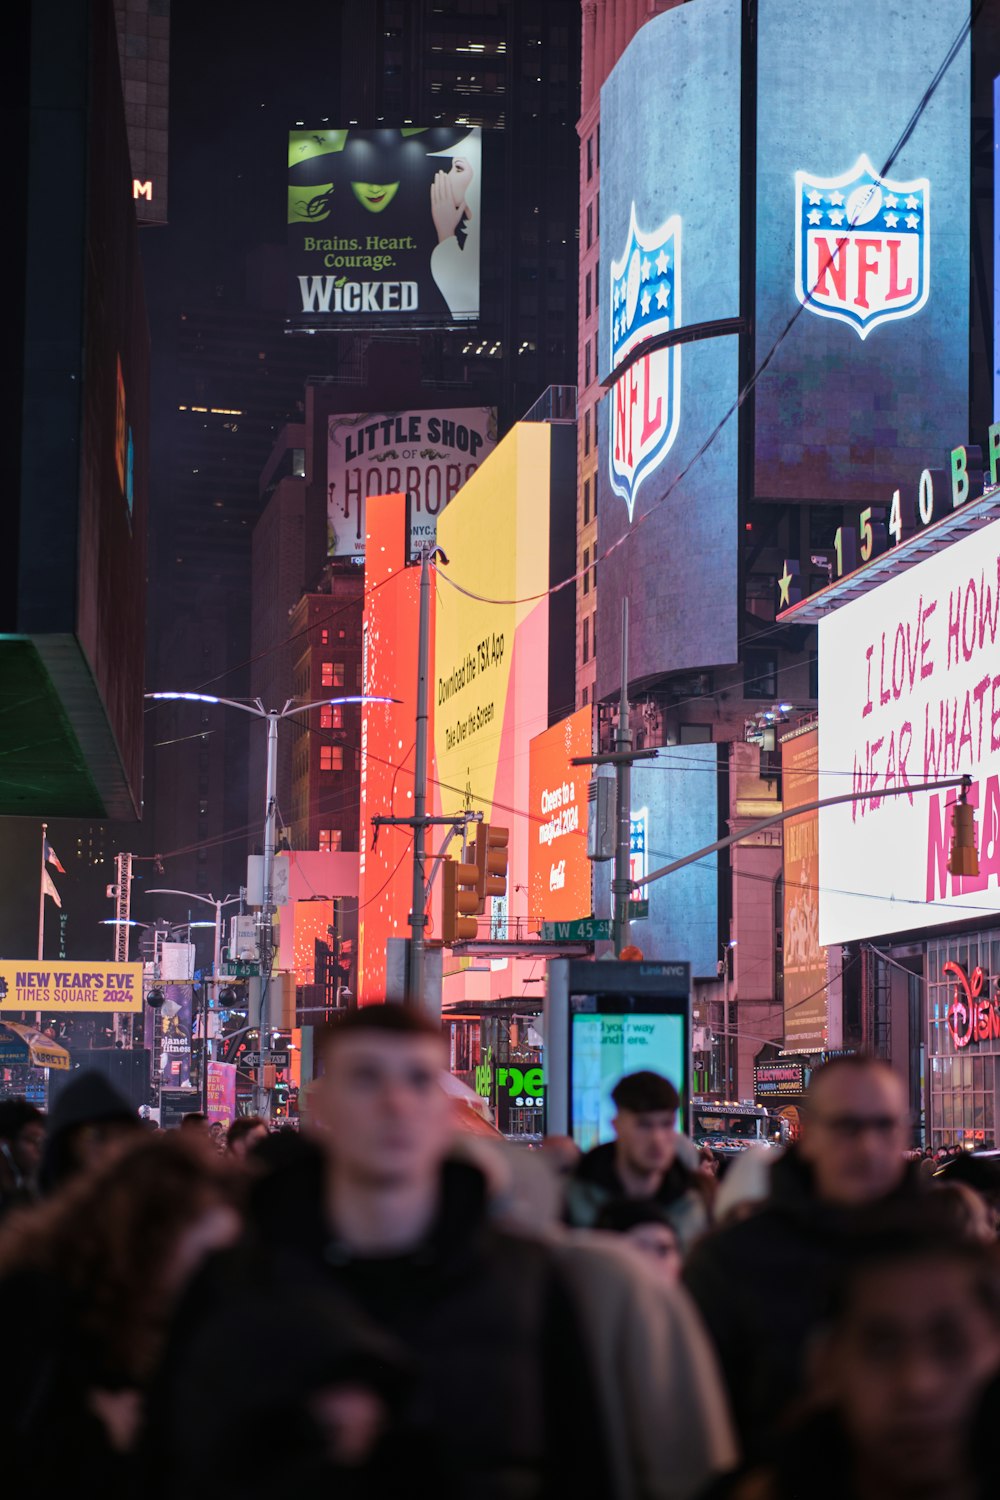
(605, 1048)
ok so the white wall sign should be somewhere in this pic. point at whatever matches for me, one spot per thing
(909, 691)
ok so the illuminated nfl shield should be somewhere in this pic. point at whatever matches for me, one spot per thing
(862, 246)
(645, 298)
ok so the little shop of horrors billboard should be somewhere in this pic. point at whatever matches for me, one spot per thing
(909, 691)
(425, 455)
(384, 226)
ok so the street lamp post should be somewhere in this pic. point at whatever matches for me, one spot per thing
(216, 964)
(272, 717)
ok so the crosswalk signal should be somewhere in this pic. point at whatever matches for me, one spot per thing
(459, 902)
(490, 854)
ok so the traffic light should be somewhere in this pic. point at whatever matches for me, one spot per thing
(962, 856)
(490, 854)
(459, 902)
(282, 1002)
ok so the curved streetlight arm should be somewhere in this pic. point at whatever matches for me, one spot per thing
(258, 711)
(301, 708)
(792, 812)
(191, 896)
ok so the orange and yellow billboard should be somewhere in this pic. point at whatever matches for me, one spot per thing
(389, 669)
(559, 882)
(492, 643)
(806, 992)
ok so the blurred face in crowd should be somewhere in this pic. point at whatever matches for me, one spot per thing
(854, 1134)
(380, 1100)
(907, 1367)
(241, 1145)
(27, 1148)
(647, 1139)
(96, 1145)
(658, 1244)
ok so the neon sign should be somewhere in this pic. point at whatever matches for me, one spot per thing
(968, 1018)
(862, 246)
(645, 401)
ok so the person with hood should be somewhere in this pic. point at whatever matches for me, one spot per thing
(642, 1162)
(762, 1284)
(88, 1125)
(901, 1405)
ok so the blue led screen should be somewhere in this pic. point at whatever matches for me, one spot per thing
(871, 384)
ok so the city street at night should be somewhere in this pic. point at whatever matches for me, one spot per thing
(500, 787)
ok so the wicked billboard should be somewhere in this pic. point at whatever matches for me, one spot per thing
(384, 225)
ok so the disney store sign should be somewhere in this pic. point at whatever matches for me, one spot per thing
(971, 1017)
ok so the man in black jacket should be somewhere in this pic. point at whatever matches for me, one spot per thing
(504, 1393)
(641, 1163)
(763, 1285)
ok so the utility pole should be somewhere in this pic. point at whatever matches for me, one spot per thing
(620, 892)
(418, 913)
(262, 1095)
(622, 757)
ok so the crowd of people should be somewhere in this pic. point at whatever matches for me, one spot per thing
(380, 1304)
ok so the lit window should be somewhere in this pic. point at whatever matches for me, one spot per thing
(331, 758)
(324, 638)
(331, 716)
(331, 840)
(332, 674)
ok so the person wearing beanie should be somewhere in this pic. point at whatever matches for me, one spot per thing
(642, 1162)
(86, 1127)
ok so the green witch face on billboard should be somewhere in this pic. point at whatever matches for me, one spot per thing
(384, 225)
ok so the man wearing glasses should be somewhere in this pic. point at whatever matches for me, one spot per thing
(763, 1284)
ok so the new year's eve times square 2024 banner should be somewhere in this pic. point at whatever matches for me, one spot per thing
(384, 226)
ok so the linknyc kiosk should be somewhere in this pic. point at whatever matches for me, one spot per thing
(603, 1020)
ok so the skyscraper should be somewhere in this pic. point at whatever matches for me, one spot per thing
(233, 373)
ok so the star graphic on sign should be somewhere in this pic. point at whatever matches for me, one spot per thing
(912, 221)
(836, 198)
(647, 266)
(784, 586)
(662, 293)
(912, 202)
(815, 216)
(645, 299)
(814, 198)
(836, 216)
(662, 262)
(891, 201)
(891, 220)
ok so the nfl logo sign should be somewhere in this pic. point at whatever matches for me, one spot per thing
(645, 403)
(862, 246)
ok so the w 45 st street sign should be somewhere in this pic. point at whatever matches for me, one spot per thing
(583, 930)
